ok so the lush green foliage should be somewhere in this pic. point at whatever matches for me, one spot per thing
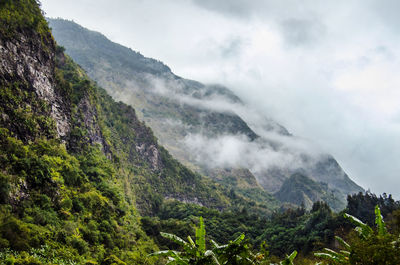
(284, 232)
(80, 196)
(292, 229)
(236, 252)
(368, 247)
(362, 206)
(65, 201)
(17, 16)
(24, 113)
(40, 256)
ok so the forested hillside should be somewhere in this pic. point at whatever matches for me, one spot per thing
(76, 167)
(84, 181)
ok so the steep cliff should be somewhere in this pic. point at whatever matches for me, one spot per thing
(66, 199)
(76, 167)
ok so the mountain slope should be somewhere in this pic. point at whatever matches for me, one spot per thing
(299, 188)
(76, 167)
(69, 200)
(206, 127)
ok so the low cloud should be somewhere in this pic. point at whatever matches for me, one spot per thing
(233, 151)
(275, 148)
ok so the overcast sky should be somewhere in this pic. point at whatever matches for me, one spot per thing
(328, 71)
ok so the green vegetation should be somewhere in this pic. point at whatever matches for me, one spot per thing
(104, 192)
(23, 16)
(38, 256)
(69, 203)
(286, 231)
(368, 246)
(363, 206)
(79, 193)
(24, 113)
(236, 252)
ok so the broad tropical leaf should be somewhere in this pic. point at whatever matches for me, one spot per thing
(213, 256)
(238, 239)
(380, 225)
(174, 238)
(289, 259)
(363, 229)
(343, 243)
(201, 237)
(192, 244)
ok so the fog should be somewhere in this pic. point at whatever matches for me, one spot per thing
(232, 151)
(274, 147)
(327, 71)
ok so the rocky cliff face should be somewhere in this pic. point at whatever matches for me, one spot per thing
(28, 62)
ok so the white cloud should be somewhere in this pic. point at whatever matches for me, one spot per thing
(238, 151)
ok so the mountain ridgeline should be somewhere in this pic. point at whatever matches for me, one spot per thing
(202, 125)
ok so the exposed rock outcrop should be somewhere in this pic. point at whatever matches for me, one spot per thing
(30, 62)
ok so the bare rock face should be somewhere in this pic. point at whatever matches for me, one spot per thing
(32, 65)
(20, 61)
(184, 199)
(152, 155)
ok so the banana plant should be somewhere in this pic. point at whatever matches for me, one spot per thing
(236, 252)
(364, 231)
(194, 252)
(289, 259)
(341, 257)
(380, 225)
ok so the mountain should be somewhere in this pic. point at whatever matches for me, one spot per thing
(300, 188)
(84, 181)
(206, 127)
(78, 169)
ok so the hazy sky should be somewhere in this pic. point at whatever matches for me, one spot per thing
(328, 71)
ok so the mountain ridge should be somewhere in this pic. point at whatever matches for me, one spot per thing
(187, 115)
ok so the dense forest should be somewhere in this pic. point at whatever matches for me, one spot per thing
(84, 181)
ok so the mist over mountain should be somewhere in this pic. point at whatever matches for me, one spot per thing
(206, 127)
